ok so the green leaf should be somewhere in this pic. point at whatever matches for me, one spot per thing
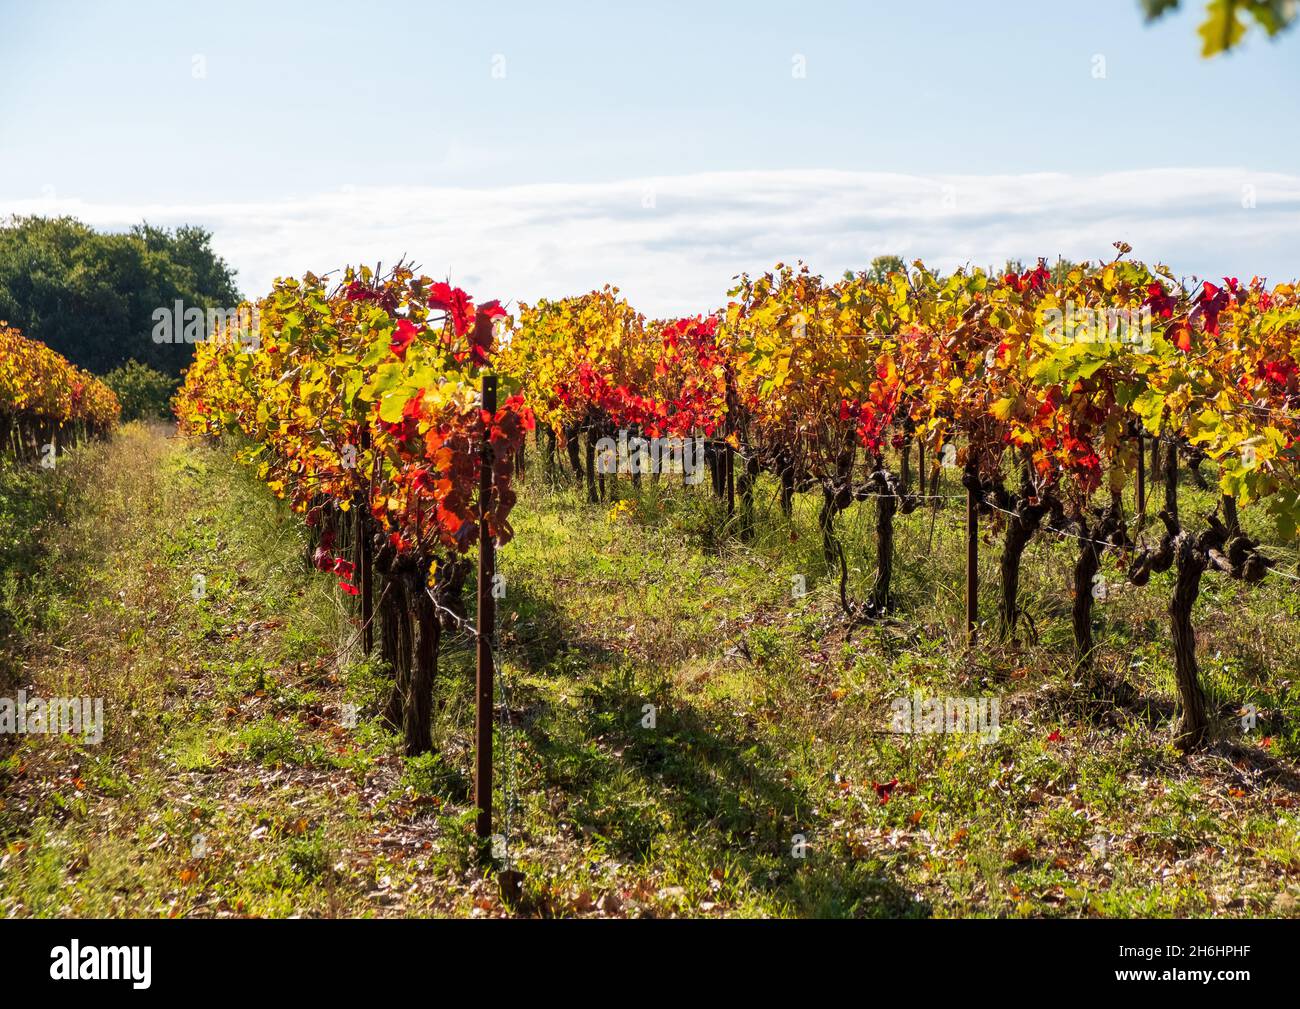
(1221, 30)
(388, 377)
(1271, 15)
(391, 406)
(352, 383)
(1149, 405)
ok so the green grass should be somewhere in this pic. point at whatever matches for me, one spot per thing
(758, 788)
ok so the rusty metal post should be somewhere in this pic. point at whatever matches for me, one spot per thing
(364, 560)
(486, 626)
(972, 553)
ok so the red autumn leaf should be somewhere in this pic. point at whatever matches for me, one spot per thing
(484, 334)
(884, 789)
(1211, 301)
(411, 408)
(455, 303)
(403, 336)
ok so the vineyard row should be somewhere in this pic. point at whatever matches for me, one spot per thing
(1044, 388)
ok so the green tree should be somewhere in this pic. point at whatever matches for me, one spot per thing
(92, 296)
(883, 266)
(143, 392)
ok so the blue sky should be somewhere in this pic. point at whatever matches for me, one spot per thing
(669, 145)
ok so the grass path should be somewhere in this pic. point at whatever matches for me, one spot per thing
(225, 783)
(681, 733)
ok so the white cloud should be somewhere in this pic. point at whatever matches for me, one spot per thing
(673, 243)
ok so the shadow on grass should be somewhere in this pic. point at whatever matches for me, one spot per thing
(697, 782)
(697, 791)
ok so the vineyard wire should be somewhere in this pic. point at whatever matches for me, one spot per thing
(503, 689)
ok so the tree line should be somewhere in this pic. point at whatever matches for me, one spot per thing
(91, 295)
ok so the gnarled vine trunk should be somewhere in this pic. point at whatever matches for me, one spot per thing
(1021, 524)
(1170, 473)
(418, 722)
(1190, 729)
(591, 466)
(836, 497)
(1086, 566)
(1230, 517)
(826, 523)
(395, 647)
(881, 597)
(747, 480)
(1013, 548)
(1092, 542)
(547, 435)
(787, 488)
(572, 447)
